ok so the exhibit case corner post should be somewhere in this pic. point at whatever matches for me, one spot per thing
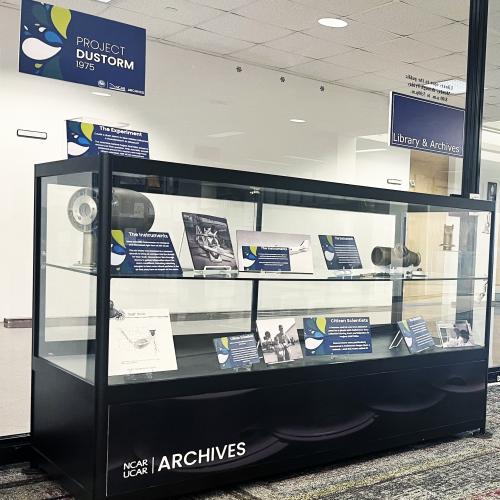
(195, 326)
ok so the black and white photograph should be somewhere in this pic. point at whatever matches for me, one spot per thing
(209, 242)
(279, 340)
(455, 334)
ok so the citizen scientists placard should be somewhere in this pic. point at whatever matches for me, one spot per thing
(68, 45)
(88, 139)
(426, 126)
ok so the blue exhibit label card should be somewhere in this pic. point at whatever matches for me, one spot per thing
(340, 252)
(64, 44)
(236, 351)
(143, 254)
(87, 139)
(426, 126)
(270, 259)
(336, 335)
(416, 334)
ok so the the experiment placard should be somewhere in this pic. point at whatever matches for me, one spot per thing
(88, 139)
(143, 254)
(64, 44)
(426, 126)
(337, 335)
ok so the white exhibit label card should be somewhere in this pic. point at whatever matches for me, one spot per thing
(141, 341)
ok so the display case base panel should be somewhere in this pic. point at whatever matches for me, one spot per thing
(186, 443)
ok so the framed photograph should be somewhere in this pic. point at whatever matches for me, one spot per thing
(209, 241)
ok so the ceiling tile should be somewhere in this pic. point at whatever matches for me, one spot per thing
(86, 6)
(156, 28)
(361, 60)
(369, 81)
(226, 5)
(407, 50)
(205, 40)
(324, 71)
(492, 79)
(282, 13)
(453, 37)
(242, 28)
(308, 46)
(177, 11)
(271, 57)
(343, 7)
(355, 35)
(458, 10)
(401, 18)
(454, 64)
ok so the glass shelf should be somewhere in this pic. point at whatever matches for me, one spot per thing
(364, 276)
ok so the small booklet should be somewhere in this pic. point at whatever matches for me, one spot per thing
(140, 341)
(416, 334)
(279, 340)
(237, 351)
(455, 334)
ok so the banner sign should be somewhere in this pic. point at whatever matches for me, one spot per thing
(68, 45)
(330, 336)
(426, 126)
(340, 252)
(143, 254)
(87, 139)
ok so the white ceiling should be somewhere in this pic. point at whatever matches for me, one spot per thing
(384, 41)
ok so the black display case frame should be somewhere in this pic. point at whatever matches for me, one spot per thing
(74, 422)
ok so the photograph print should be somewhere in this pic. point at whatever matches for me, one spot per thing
(209, 241)
(279, 340)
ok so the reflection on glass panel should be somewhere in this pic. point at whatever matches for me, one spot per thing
(67, 306)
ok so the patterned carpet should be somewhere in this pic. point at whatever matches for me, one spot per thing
(461, 468)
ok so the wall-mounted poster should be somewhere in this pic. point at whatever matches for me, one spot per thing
(279, 340)
(274, 252)
(140, 341)
(209, 241)
(64, 44)
(340, 252)
(88, 139)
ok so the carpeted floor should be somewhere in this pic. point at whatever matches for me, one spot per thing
(465, 467)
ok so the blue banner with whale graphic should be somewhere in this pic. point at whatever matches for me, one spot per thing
(64, 44)
(88, 139)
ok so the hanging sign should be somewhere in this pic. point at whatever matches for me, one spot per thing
(68, 45)
(88, 139)
(426, 126)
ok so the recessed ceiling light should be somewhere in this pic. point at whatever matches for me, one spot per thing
(102, 94)
(332, 22)
(104, 1)
(222, 135)
(297, 120)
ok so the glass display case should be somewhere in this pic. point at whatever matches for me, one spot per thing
(196, 326)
